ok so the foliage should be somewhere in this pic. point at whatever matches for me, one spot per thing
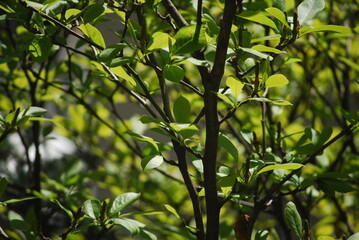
(160, 119)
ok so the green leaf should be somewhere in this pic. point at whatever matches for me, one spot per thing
(172, 210)
(68, 212)
(308, 9)
(262, 48)
(35, 111)
(280, 4)
(151, 162)
(122, 201)
(293, 218)
(274, 101)
(119, 61)
(159, 40)
(198, 164)
(278, 14)
(143, 139)
(120, 72)
(258, 18)
(188, 40)
(133, 226)
(92, 209)
(262, 235)
(326, 28)
(227, 144)
(92, 12)
(235, 85)
(182, 109)
(3, 185)
(325, 238)
(257, 53)
(173, 73)
(110, 52)
(332, 185)
(40, 47)
(354, 237)
(226, 99)
(351, 116)
(185, 130)
(93, 33)
(71, 14)
(285, 166)
(277, 80)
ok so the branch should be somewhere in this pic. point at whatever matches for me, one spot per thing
(173, 11)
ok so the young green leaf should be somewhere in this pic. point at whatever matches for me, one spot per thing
(262, 48)
(93, 33)
(159, 40)
(327, 28)
(235, 85)
(285, 166)
(182, 109)
(258, 18)
(278, 14)
(173, 73)
(151, 162)
(293, 219)
(308, 9)
(92, 209)
(172, 210)
(277, 80)
(122, 201)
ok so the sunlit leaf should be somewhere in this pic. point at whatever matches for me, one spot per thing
(92, 209)
(262, 48)
(326, 28)
(133, 226)
(159, 40)
(285, 166)
(93, 33)
(278, 14)
(235, 85)
(172, 210)
(308, 9)
(276, 80)
(354, 237)
(151, 162)
(258, 18)
(122, 201)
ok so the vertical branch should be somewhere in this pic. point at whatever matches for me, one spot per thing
(211, 86)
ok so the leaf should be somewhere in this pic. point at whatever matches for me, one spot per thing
(285, 166)
(151, 162)
(92, 209)
(182, 109)
(325, 238)
(92, 12)
(262, 48)
(120, 72)
(143, 139)
(277, 80)
(198, 164)
(308, 9)
(110, 52)
(280, 4)
(3, 185)
(326, 28)
(40, 47)
(257, 53)
(122, 201)
(173, 73)
(235, 85)
(35, 111)
(258, 18)
(227, 144)
(293, 218)
(172, 210)
(226, 99)
(68, 212)
(133, 226)
(332, 185)
(278, 14)
(274, 101)
(119, 61)
(185, 130)
(93, 33)
(188, 40)
(354, 237)
(71, 14)
(159, 40)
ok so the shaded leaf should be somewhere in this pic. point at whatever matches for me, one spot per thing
(110, 52)
(3, 185)
(293, 218)
(133, 226)
(92, 12)
(182, 109)
(40, 47)
(188, 40)
(173, 73)
(227, 144)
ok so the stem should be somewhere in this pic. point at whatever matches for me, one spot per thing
(211, 86)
